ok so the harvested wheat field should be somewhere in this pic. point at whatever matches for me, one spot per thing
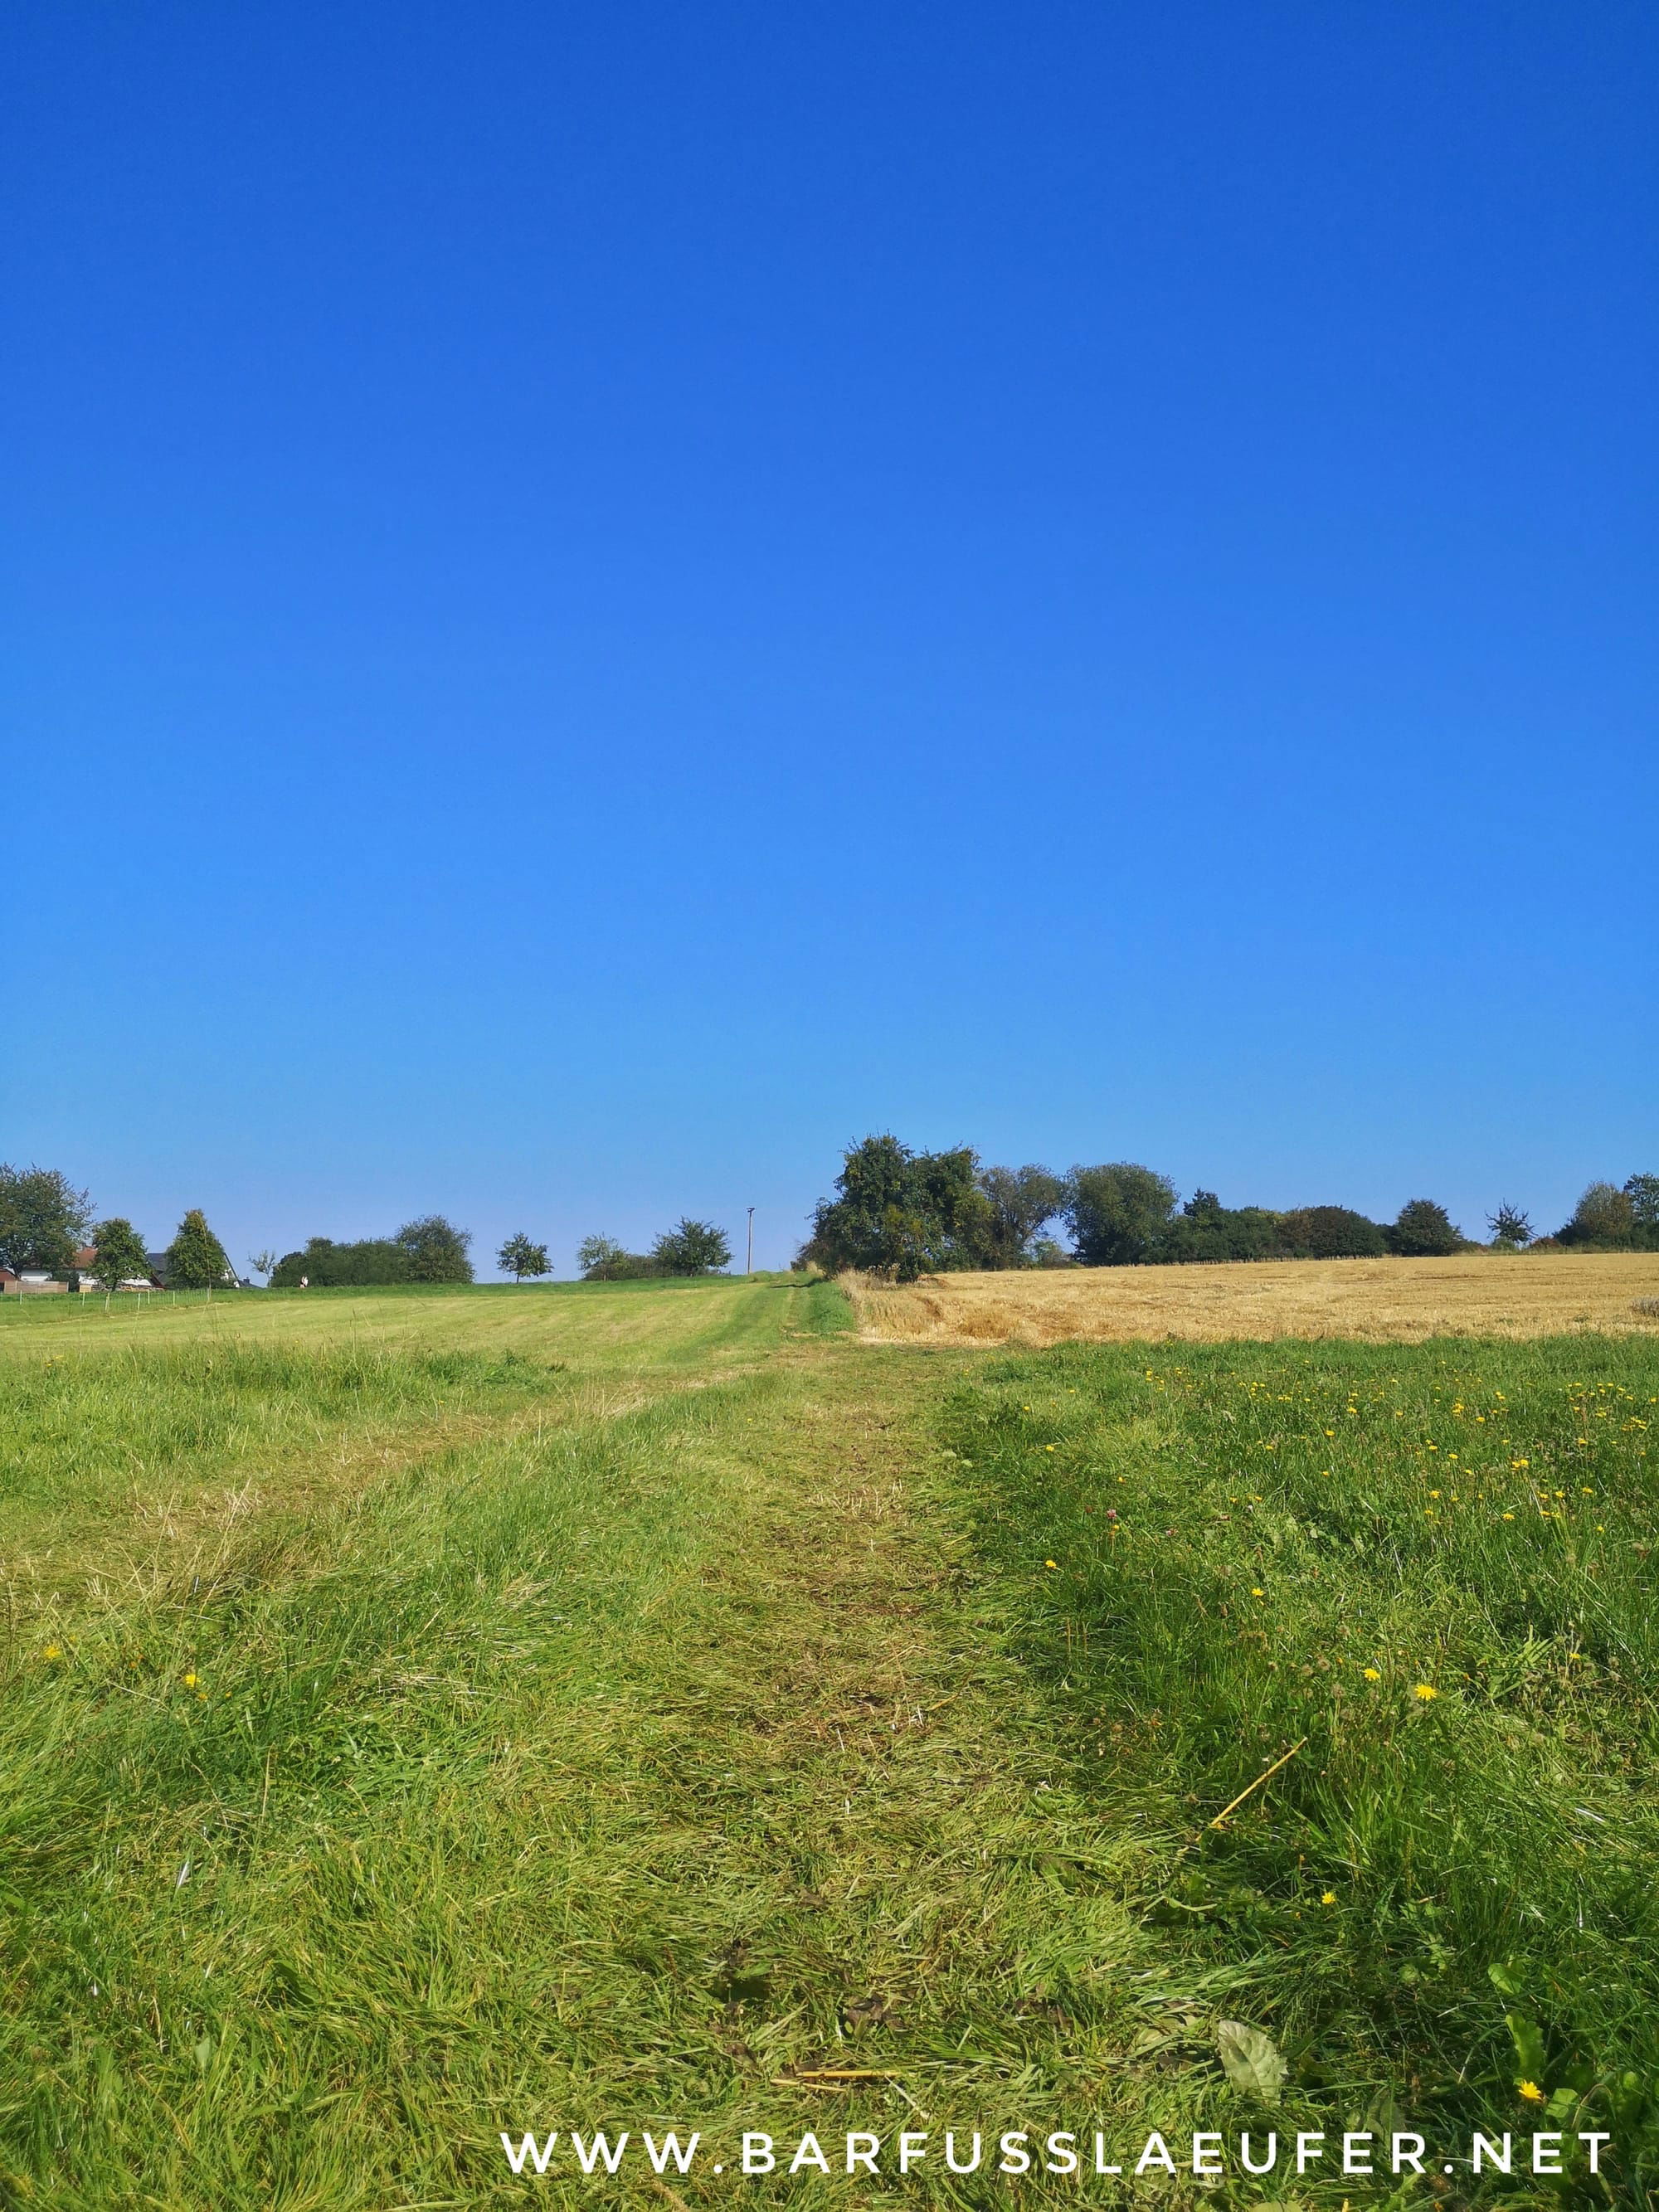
(1386, 1301)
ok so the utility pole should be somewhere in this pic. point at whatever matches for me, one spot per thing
(750, 1269)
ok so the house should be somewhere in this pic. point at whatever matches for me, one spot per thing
(29, 1282)
(85, 1264)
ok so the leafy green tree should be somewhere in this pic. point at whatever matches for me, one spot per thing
(1206, 1231)
(44, 1219)
(437, 1250)
(1020, 1201)
(1605, 1215)
(325, 1265)
(121, 1254)
(692, 1247)
(520, 1257)
(1643, 1192)
(902, 1213)
(1423, 1231)
(1331, 1232)
(1118, 1213)
(196, 1261)
(602, 1260)
(1509, 1226)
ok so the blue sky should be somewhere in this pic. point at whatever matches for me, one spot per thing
(599, 600)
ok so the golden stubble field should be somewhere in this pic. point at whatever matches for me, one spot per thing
(1383, 1301)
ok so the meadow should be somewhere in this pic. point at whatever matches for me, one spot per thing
(431, 1714)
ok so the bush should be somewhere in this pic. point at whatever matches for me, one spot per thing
(602, 1260)
(426, 1251)
(1206, 1231)
(1331, 1232)
(1424, 1231)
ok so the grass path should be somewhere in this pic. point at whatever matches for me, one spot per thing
(630, 1712)
(574, 1772)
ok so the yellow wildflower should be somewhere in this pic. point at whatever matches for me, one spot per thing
(1052, 1563)
(1258, 1593)
(1532, 2093)
(1329, 1897)
(190, 1681)
(1372, 1673)
(52, 1651)
(1426, 1691)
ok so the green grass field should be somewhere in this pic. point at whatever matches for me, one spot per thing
(428, 1715)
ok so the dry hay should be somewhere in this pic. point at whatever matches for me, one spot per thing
(1386, 1301)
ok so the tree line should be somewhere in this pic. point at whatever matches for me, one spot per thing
(48, 1226)
(429, 1250)
(45, 1222)
(902, 1212)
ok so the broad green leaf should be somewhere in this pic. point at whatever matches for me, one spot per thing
(1528, 2042)
(1250, 2060)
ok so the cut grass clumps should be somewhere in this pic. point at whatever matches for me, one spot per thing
(1422, 1579)
(124, 1437)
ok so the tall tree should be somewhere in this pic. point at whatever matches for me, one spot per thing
(1423, 1231)
(902, 1213)
(44, 1219)
(1021, 1199)
(437, 1250)
(263, 1263)
(1331, 1232)
(1643, 1192)
(1118, 1213)
(121, 1254)
(1604, 1215)
(520, 1257)
(692, 1247)
(196, 1261)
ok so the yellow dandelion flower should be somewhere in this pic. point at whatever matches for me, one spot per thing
(1329, 1897)
(1509, 1517)
(1372, 1673)
(1258, 1593)
(1052, 1563)
(190, 1681)
(1434, 1493)
(52, 1651)
(1532, 2093)
(1048, 1448)
(1426, 1691)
